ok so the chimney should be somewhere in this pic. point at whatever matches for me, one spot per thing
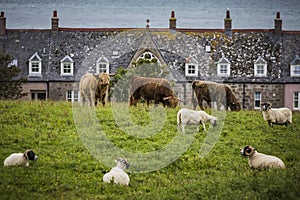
(227, 24)
(54, 22)
(2, 24)
(172, 23)
(278, 24)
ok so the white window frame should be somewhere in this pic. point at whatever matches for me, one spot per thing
(293, 70)
(64, 64)
(36, 64)
(188, 69)
(296, 100)
(72, 95)
(257, 97)
(102, 67)
(258, 68)
(14, 62)
(221, 66)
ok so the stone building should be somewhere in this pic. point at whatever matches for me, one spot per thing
(259, 65)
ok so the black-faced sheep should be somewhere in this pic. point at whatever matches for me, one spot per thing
(20, 158)
(259, 160)
(276, 115)
(186, 116)
(117, 174)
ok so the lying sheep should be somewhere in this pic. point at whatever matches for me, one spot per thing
(186, 116)
(259, 160)
(117, 174)
(276, 115)
(20, 158)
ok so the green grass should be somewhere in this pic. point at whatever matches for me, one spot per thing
(67, 170)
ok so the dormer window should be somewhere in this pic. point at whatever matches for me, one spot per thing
(102, 65)
(260, 67)
(191, 67)
(67, 66)
(295, 67)
(35, 65)
(223, 67)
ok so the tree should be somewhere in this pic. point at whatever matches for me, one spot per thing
(10, 82)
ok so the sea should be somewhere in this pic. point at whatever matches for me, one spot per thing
(200, 14)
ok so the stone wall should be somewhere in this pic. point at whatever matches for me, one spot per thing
(58, 90)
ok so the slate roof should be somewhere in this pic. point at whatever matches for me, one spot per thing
(84, 48)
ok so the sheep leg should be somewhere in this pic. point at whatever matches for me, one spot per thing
(182, 127)
(203, 124)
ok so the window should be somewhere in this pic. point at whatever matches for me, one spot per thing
(296, 100)
(295, 70)
(72, 96)
(223, 67)
(257, 100)
(35, 65)
(38, 95)
(295, 67)
(67, 66)
(13, 63)
(191, 66)
(102, 65)
(260, 67)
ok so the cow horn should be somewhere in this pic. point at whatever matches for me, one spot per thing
(166, 98)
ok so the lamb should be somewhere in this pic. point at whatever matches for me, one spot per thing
(186, 116)
(276, 115)
(20, 158)
(259, 160)
(117, 174)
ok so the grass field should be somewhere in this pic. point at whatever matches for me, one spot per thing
(66, 169)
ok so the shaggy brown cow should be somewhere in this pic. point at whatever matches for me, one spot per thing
(157, 89)
(214, 92)
(93, 87)
(102, 89)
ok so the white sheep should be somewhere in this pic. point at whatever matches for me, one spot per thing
(117, 174)
(259, 160)
(276, 115)
(186, 116)
(20, 158)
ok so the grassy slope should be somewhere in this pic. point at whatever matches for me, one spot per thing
(67, 170)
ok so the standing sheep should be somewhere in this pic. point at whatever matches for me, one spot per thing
(117, 174)
(186, 116)
(259, 160)
(276, 115)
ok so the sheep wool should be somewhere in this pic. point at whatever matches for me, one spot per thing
(20, 158)
(186, 116)
(281, 116)
(258, 160)
(117, 174)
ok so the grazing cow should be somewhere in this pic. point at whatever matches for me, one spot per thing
(93, 87)
(157, 89)
(214, 92)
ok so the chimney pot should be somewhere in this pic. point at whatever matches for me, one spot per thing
(278, 15)
(55, 13)
(228, 13)
(172, 14)
(2, 14)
